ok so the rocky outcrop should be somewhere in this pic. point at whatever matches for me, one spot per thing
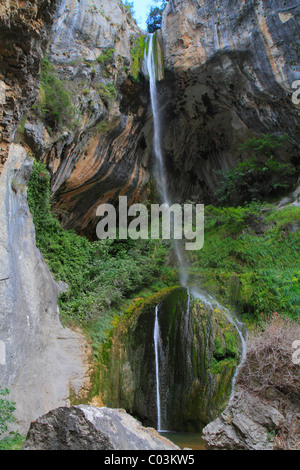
(229, 74)
(40, 361)
(263, 413)
(24, 29)
(102, 152)
(198, 354)
(90, 428)
(246, 424)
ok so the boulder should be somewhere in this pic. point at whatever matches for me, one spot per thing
(247, 423)
(86, 427)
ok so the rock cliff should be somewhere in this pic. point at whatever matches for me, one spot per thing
(39, 359)
(229, 67)
(229, 72)
(24, 31)
(101, 152)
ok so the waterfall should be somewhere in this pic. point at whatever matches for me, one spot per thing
(156, 348)
(160, 172)
(161, 183)
(160, 167)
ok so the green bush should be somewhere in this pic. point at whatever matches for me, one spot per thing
(7, 409)
(55, 103)
(250, 259)
(100, 274)
(257, 178)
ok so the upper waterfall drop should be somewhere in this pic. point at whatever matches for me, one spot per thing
(153, 67)
(160, 166)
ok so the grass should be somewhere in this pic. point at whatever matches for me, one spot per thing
(250, 259)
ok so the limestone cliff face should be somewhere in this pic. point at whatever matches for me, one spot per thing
(229, 73)
(40, 361)
(24, 28)
(103, 154)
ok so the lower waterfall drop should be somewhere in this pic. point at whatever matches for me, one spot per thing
(156, 338)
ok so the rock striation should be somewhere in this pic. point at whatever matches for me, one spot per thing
(229, 75)
(86, 427)
(24, 32)
(41, 362)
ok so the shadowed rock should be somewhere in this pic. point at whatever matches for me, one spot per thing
(86, 427)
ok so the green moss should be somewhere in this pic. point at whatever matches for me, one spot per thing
(106, 56)
(137, 52)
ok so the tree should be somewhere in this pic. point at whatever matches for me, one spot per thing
(154, 19)
(6, 411)
(129, 6)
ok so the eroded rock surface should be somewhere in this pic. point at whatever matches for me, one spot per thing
(86, 427)
(40, 360)
(229, 74)
(24, 31)
(246, 424)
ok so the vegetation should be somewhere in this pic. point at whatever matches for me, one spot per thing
(154, 19)
(55, 104)
(137, 55)
(100, 275)
(250, 259)
(106, 56)
(260, 177)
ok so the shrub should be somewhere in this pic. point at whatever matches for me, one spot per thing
(99, 274)
(106, 56)
(269, 366)
(154, 19)
(256, 178)
(7, 409)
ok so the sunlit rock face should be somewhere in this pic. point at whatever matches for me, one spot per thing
(103, 153)
(229, 70)
(229, 67)
(24, 29)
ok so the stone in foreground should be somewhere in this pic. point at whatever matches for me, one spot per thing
(86, 427)
(246, 424)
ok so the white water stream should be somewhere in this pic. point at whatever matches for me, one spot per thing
(161, 183)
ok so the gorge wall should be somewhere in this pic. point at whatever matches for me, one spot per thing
(40, 361)
(229, 70)
(229, 67)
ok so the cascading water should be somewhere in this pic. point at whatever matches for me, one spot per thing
(160, 167)
(161, 183)
(156, 347)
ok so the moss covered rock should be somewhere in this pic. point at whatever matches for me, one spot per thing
(198, 354)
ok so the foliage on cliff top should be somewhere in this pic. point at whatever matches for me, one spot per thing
(154, 20)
